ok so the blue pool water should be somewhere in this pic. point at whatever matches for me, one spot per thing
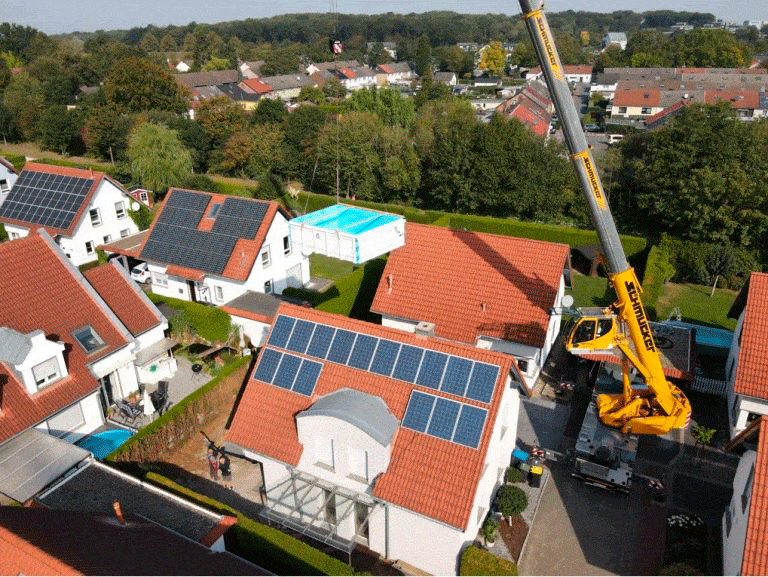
(102, 444)
(351, 220)
(708, 339)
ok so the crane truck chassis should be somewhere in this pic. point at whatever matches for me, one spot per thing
(661, 406)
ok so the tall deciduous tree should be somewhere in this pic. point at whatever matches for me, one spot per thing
(220, 117)
(493, 59)
(106, 132)
(60, 130)
(158, 159)
(24, 99)
(137, 85)
(423, 55)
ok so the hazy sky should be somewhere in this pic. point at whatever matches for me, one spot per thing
(56, 16)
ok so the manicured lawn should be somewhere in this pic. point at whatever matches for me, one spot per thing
(696, 305)
(329, 268)
(590, 291)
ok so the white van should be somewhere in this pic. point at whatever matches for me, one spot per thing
(614, 138)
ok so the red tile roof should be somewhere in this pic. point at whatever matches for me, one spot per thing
(752, 365)
(20, 557)
(528, 115)
(257, 86)
(755, 561)
(737, 97)
(41, 290)
(97, 177)
(386, 68)
(666, 112)
(471, 284)
(427, 475)
(637, 98)
(126, 300)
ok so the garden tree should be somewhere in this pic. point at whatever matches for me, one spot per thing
(149, 42)
(493, 58)
(190, 134)
(334, 88)
(158, 159)
(60, 130)
(232, 158)
(377, 55)
(396, 165)
(513, 174)
(136, 84)
(220, 118)
(510, 501)
(423, 55)
(281, 60)
(301, 130)
(454, 59)
(11, 60)
(570, 49)
(709, 48)
(106, 131)
(310, 94)
(236, 50)
(16, 38)
(392, 107)
(9, 129)
(431, 90)
(5, 75)
(611, 57)
(523, 55)
(23, 97)
(215, 64)
(267, 151)
(269, 111)
(202, 44)
(702, 178)
(168, 43)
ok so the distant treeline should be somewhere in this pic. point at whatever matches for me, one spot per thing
(441, 27)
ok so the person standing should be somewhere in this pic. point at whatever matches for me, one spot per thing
(213, 465)
(226, 471)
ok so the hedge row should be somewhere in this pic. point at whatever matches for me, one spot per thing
(548, 232)
(477, 561)
(265, 546)
(181, 421)
(211, 323)
(17, 160)
(657, 272)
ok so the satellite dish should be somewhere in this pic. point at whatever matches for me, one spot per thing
(568, 301)
(134, 206)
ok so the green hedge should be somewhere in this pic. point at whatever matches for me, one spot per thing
(178, 409)
(549, 232)
(477, 561)
(211, 323)
(657, 271)
(265, 546)
(17, 160)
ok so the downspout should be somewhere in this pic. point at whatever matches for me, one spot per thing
(386, 530)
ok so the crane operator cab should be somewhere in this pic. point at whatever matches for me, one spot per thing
(595, 331)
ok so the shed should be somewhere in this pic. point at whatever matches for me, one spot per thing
(348, 233)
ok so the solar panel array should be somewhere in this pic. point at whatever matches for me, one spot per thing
(445, 419)
(288, 371)
(46, 199)
(432, 369)
(176, 240)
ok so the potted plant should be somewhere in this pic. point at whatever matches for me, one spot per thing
(488, 530)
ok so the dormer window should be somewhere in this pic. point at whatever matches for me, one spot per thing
(215, 210)
(88, 339)
(46, 372)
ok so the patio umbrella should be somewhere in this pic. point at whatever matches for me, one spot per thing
(148, 407)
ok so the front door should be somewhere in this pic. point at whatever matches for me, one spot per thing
(192, 292)
(107, 394)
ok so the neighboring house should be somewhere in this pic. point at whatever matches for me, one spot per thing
(287, 86)
(574, 73)
(213, 248)
(257, 87)
(745, 521)
(396, 72)
(68, 343)
(448, 78)
(665, 116)
(251, 69)
(470, 47)
(355, 78)
(330, 66)
(192, 80)
(39, 541)
(81, 209)
(747, 363)
(532, 107)
(141, 195)
(636, 103)
(488, 82)
(8, 175)
(489, 291)
(363, 440)
(238, 93)
(615, 39)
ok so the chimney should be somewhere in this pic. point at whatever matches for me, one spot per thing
(389, 283)
(119, 512)
(482, 305)
(424, 329)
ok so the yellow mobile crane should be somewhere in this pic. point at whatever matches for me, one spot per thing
(662, 406)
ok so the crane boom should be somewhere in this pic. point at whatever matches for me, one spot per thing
(663, 406)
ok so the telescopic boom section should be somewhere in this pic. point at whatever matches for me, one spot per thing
(668, 408)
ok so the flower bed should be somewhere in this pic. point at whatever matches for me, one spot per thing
(513, 534)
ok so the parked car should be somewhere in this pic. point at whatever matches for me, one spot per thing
(592, 128)
(140, 273)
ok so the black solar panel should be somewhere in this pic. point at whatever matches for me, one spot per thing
(482, 382)
(361, 355)
(446, 419)
(300, 336)
(456, 376)
(342, 344)
(432, 367)
(176, 240)
(45, 199)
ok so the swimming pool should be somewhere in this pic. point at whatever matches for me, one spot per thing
(708, 339)
(102, 444)
(347, 219)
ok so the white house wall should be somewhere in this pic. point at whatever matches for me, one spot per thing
(92, 415)
(7, 179)
(256, 331)
(733, 541)
(276, 272)
(104, 199)
(151, 336)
